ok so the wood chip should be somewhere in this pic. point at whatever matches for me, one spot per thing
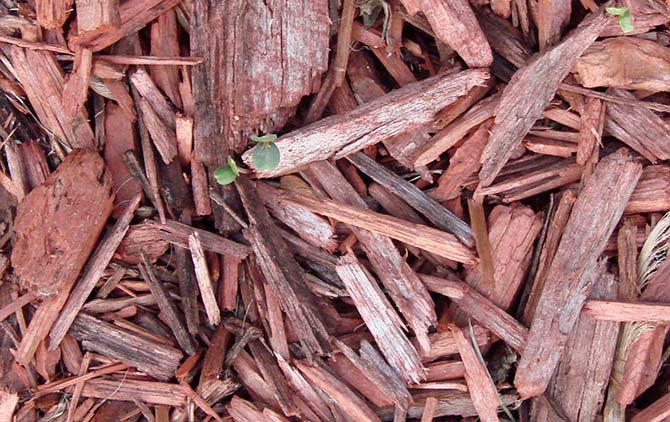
(383, 322)
(394, 113)
(624, 62)
(432, 240)
(482, 390)
(586, 234)
(157, 360)
(65, 216)
(511, 122)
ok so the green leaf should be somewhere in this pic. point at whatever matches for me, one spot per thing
(266, 156)
(626, 23)
(225, 175)
(233, 165)
(270, 137)
(616, 11)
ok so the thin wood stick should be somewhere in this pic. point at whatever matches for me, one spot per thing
(345, 399)
(85, 376)
(204, 280)
(391, 268)
(481, 309)
(128, 389)
(135, 15)
(34, 45)
(481, 234)
(99, 261)
(615, 99)
(382, 321)
(16, 305)
(158, 360)
(283, 273)
(656, 412)
(166, 306)
(429, 409)
(436, 213)
(389, 115)
(432, 240)
(535, 84)
(612, 310)
(480, 386)
(202, 404)
(178, 233)
(338, 69)
(149, 60)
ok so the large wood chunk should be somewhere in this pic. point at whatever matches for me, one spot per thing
(571, 274)
(261, 58)
(58, 223)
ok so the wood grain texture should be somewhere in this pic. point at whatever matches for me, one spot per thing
(42, 79)
(639, 128)
(652, 193)
(241, 89)
(534, 85)
(570, 277)
(158, 360)
(424, 237)
(283, 273)
(583, 372)
(389, 115)
(403, 285)
(381, 319)
(431, 209)
(94, 270)
(480, 386)
(624, 62)
(454, 23)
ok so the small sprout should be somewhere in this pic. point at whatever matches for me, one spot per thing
(270, 137)
(227, 174)
(266, 154)
(623, 14)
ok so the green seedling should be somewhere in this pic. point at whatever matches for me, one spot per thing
(266, 154)
(227, 174)
(623, 14)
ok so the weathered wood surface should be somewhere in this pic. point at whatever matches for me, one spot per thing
(450, 163)
(594, 215)
(392, 114)
(624, 62)
(454, 23)
(534, 85)
(385, 324)
(240, 89)
(155, 359)
(583, 372)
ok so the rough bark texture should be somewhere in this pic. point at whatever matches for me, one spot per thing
(570, 277)
(257, 68)
(534, 85)
(392, 114)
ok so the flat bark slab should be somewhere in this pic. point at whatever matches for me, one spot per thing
(261, 58)
(58, 224)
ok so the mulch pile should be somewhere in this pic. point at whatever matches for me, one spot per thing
(353, 210)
